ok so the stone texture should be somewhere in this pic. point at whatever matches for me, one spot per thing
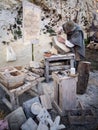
(43, 116)
(27, 106)
(16, 119)
(29, 125)
(42, 126)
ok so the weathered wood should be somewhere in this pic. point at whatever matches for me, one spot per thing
(45, 101)
(57, 64)
(61, 67)
(55, 59)
(81, 117)
(11, 78)
(7, 103)
(65, 91)
(14, 101)
(55, 105)
(14, 93)
(22, 88)
(83, 77)
(47, 70)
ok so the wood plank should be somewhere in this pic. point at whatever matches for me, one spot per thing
(47, 71)
(57, 58)
(45, 101)
(22, 88)
(5, 89)
(62, 67)
(62, 113)
(7, 103)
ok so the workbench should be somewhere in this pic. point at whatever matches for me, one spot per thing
(12, 87)
(14, 94)
(49, 61)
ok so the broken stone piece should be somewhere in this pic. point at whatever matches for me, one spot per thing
(43, 116)
(16, 119)
(36, 108)
(27, 106)
(42, 126)
(46, 101)
(29, 125)
(55, 125)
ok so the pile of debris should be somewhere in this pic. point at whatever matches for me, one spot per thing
(37, 113)
(32, 116)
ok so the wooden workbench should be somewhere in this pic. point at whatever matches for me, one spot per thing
(58, 58)
(10, 84)
(14, 94)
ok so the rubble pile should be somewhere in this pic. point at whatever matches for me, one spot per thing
(32, 116)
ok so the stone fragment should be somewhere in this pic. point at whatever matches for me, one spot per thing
(42, 127)
(55, 125)
(29, 125)
(27, 106)
(16, 119)
(36, 108)
(43, 116)
(46, 102)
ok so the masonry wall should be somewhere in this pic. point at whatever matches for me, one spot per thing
(53, 15)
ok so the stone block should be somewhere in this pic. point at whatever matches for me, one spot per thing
(42, 127)
(27, 106)
(16, 119)
(43, 116)
(29, 125)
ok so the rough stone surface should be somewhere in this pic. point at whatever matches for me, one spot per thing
(27, 106)
(54, 14)
(42, 126)
(29, 125)
(16, 119)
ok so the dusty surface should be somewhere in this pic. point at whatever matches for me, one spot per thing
(89, 99)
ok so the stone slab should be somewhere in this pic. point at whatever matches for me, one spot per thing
(27, 107)
(29, 125)
(42, 127)
(16, 119)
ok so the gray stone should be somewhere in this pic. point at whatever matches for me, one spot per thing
(55, 125)
(29, 125)
(42, 126)
(27, 107)
(43, 116)
(16, 119)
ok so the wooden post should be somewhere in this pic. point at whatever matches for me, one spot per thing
(83, 71)
(32, 52)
